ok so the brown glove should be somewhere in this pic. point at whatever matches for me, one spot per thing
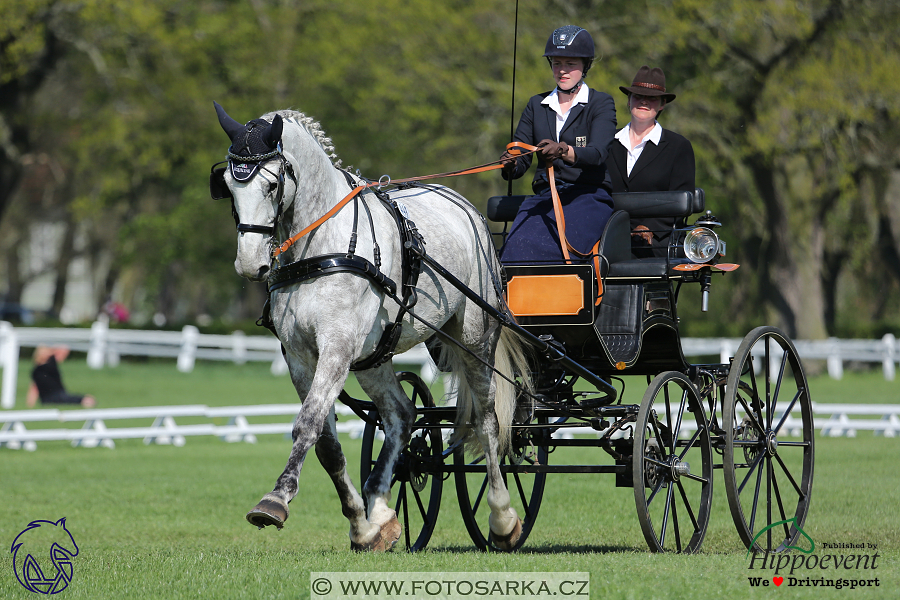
(508, 161)
(550, 150)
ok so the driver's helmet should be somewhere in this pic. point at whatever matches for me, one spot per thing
(571, 40)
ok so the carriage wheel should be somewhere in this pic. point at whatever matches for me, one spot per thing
(768, 456)
(525, 489)
(417, 482)
(672, 465)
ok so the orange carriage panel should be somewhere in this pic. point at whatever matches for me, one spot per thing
(546, 295)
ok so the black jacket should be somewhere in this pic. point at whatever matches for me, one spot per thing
(668, 166)
(589, 129)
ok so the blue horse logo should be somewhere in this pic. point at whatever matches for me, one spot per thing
(32, 548)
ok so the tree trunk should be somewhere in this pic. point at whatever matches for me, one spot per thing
(792, 273)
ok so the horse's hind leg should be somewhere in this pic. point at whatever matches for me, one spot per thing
(397, 417)
(478, 401)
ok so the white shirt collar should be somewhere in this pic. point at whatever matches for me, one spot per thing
(552, 100)
(654, 136)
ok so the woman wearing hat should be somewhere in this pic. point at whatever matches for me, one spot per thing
(573, 127)
(647, 158)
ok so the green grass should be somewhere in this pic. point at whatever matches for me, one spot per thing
(167, 522)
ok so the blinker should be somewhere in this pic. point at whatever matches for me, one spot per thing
(218, 190)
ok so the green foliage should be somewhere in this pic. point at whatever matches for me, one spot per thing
(792, 108)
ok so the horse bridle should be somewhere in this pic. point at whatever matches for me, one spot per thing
(218, 189)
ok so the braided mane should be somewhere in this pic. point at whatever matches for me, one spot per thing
(313, 127)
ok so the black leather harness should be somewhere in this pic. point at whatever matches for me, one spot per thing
(412, 247)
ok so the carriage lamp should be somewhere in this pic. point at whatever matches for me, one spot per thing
(702, 245)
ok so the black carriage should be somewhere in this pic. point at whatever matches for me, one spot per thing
(750, 416)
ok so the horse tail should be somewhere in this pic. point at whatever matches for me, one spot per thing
(510, 362)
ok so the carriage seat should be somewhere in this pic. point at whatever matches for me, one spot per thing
(615, 243)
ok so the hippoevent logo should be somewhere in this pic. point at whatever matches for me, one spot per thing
(42, 556)
(811, 569)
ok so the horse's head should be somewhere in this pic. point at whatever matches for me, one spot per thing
(254, 180)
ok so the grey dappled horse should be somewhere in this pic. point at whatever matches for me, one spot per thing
(283, 174)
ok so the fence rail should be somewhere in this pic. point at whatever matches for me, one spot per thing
(105, 346)
(832, 420)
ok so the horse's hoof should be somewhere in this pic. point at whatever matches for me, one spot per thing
(507, 542)
(384, 540)
(268, 512)
(391, 532)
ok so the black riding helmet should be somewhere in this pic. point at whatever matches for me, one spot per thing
(571, 40)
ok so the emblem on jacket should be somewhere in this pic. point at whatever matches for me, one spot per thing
(581, 141)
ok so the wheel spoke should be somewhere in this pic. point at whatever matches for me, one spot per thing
(480, 495)
(665, 518)
(677, 428)
(675, 521)
(687, 506)
(522, 496)
(750, 472)
(769, 500)
(748, 412)
(756, 497)
(668, 414)
(787, 531)
(693, 477)
(421, 506)
(771, 410)
(767, 370)
(790, 477)
(654, 461)
(692, 441)
(659, 485)
(787, 413)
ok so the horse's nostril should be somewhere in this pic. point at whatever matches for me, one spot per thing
(263, 271)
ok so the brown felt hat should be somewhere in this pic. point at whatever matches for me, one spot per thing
(649, 82)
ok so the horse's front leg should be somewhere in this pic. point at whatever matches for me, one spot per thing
(330, 374)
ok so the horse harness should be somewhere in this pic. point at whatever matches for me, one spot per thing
(412, 246)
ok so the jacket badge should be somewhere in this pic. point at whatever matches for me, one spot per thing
(581, 141)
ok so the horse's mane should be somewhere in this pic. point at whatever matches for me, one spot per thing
(313, 127)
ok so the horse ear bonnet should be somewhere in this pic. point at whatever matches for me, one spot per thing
(253, 142)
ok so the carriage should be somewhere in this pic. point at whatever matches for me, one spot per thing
(693, 418)
(591, 325)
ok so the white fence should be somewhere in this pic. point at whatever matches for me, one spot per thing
(104, 347)
(832, 420)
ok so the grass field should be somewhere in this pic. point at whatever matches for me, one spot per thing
(168, 522)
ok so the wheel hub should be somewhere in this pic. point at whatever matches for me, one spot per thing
(771, 443)
(679, 468)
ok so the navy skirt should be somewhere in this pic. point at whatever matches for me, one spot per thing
(533, 237)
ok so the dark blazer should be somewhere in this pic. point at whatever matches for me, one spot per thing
(590, 130)
(666, 167)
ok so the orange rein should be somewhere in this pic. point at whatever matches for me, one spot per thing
(514, 148)
(479, 169)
